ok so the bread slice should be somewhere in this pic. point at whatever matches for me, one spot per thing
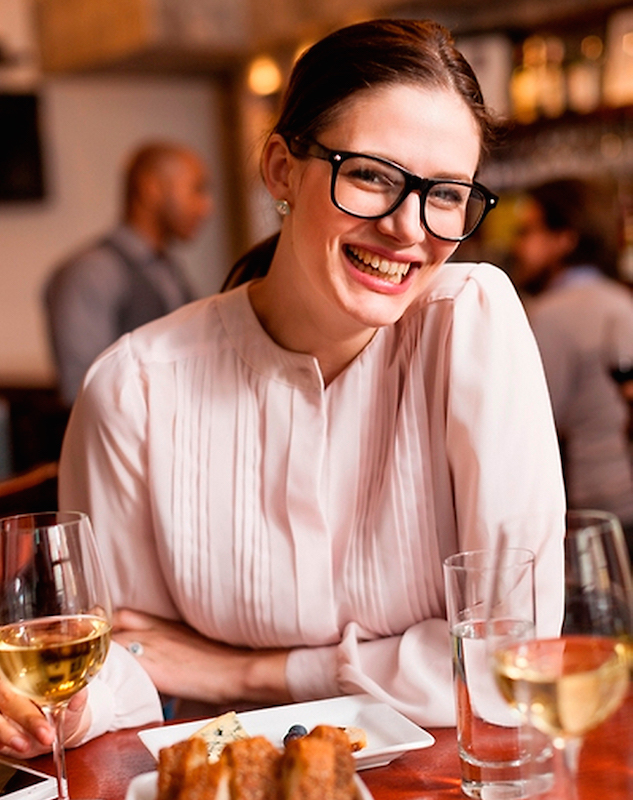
(253, 768)
(307, 770)
(205, 782)
(184, 773)
(319, 766)
(344, 764)
(219, 732)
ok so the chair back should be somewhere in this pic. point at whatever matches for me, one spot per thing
(31, 491)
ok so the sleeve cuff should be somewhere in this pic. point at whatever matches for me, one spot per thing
(311, 673)
(121, 696)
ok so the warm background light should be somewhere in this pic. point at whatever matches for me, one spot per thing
(592, 47)
(264, 76)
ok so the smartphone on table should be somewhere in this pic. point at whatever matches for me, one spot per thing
(19, 782)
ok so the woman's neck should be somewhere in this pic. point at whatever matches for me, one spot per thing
(297, 326)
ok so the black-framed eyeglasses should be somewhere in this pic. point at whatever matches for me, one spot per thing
(370, 187)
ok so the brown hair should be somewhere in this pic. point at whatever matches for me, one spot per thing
(379, 52)
(369, 54)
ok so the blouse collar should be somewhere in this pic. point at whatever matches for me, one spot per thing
(262, 354)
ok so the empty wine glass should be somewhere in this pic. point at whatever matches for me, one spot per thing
(55, 613)
(598, 585)
(567, 686)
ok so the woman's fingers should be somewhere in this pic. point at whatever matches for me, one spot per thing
(23, 717)
(13, 739)
(24, 731)
(125, 619)
(75, 726)
(137, 631)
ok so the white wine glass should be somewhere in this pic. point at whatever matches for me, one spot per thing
(567, 686)
(55, 613)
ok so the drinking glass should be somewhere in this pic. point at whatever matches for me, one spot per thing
(55, 613)
(567, 686)
(598, 585)
(500, 755)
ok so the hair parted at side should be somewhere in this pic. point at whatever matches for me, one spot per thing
(370, 54)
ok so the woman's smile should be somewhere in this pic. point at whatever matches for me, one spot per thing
(371, 263)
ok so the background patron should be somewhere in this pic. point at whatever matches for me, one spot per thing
(128, 277)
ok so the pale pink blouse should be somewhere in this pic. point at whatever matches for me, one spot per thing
(231, 489)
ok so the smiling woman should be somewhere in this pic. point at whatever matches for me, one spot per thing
(276, 473)
(357, 271)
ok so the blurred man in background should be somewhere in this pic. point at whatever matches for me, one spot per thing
(128, 277)
(566, 254)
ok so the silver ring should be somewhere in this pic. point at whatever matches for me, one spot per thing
(136, 648)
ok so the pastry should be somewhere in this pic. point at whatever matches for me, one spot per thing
(319, 766)
(253, 768)
(307, 770)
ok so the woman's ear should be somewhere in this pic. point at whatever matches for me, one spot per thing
(276, 164)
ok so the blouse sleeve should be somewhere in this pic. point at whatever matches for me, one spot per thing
(103, 471)
(122, 695)
(503, 455)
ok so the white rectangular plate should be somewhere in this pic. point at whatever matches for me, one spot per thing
(144, 787)
(389, 733)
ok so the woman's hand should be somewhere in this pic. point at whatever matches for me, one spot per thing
(24, 731)
(182, 663)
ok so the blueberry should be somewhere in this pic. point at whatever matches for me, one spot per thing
(294, 732)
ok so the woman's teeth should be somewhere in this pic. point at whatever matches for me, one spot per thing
(370, 263)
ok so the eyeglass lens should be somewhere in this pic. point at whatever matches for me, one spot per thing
(369, 188)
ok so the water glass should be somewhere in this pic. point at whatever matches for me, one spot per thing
(500, 755)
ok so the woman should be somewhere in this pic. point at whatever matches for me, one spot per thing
(276, 473)
(566, 253)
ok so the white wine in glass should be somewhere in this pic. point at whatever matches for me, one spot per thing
(567, 686)
(55, 613)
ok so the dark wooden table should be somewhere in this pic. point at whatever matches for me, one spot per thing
(104, 767)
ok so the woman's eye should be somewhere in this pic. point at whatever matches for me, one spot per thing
(371, 177)
(448, 195)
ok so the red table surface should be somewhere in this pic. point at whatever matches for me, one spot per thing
(103, 768)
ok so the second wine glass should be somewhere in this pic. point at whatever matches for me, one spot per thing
(567, 686)
(55, 613)
(598, 585)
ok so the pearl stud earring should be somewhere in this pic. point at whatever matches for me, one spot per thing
(282, 207)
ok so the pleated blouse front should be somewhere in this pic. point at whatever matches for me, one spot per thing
(231, 489)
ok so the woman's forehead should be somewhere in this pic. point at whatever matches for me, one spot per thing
(406, 96)
(403, 121)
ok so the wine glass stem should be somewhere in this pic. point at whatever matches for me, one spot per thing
(55, 715)
(569, 757)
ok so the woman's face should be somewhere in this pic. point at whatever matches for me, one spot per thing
(430, 132)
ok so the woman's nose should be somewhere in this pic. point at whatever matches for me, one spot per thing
(405, 223)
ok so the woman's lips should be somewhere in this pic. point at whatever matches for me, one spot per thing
(375, 265)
